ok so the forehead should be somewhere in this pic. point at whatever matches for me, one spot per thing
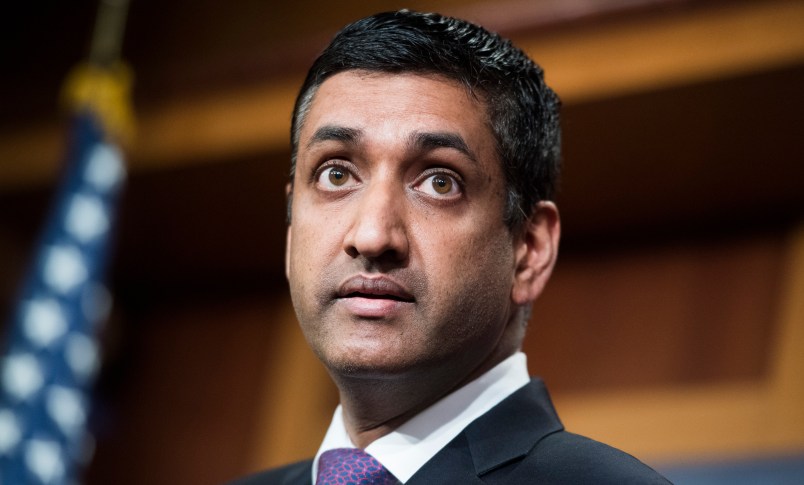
(384, 104)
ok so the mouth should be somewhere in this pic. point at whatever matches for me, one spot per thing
(375, 288)
(377, 296)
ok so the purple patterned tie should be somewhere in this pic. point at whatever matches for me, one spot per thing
(352, 466)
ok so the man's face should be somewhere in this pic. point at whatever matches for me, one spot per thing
(398, 257)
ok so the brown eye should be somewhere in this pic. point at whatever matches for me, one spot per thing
(442, 184)
(337, 176)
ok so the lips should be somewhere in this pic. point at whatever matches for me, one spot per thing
(379, 287)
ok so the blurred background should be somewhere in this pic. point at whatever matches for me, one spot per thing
(674, 324)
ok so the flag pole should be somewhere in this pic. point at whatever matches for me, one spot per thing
(107, 36)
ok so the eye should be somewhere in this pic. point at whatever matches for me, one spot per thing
(439, 185)
(335, 177)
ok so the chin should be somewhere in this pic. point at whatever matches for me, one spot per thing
(382, 365)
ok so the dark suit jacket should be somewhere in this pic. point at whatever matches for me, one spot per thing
(519, 441)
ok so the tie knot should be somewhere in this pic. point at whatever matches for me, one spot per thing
(352, 466)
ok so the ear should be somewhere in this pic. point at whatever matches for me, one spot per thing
(535, 250)
(289, 196)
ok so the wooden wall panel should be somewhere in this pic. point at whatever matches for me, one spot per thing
(182, 404)
(687, 313)
(714, 420)
(297, 400)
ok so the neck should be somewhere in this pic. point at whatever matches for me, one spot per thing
(375, 406)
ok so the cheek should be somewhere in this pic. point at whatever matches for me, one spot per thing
(489, 262)
(484, 243)
(314, 235)
(470, 264)
(492, 258)
(472, 303)
(303, 261)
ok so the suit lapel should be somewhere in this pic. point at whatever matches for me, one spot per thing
(453, 464)
(511, 429)
(502, 436)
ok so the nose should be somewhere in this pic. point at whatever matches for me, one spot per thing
(379, 228)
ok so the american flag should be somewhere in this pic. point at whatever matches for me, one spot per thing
(51, 354)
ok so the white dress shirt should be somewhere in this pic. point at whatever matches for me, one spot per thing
(406, 449)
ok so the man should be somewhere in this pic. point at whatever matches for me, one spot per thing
(425, 152)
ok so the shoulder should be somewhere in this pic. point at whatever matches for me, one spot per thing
(522, 441)
(296, 473)
(564, 457)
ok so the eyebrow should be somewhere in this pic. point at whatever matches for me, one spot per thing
(428, 141)
(418, 141)
(335, 133)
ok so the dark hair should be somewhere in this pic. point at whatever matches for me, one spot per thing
(522, 110)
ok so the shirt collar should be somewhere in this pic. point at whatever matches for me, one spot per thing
(407, 448)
